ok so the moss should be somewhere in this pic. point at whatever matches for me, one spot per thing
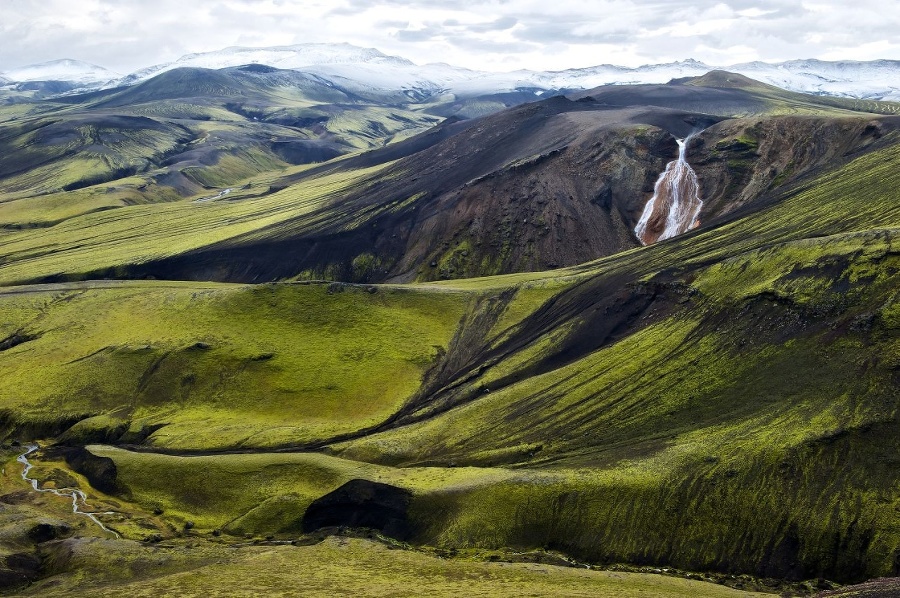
(338, 361)
(725, 400)
(98, 243)
(346, 565)
(365, 267)
(786, 173)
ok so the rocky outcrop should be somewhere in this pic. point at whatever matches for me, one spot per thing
(18, 570)
(362, 503)
(99, 471)
(744, 163)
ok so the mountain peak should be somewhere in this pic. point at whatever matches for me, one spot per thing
(64, 69)
(692, 62)
(289, 57)
(367, 70)
(724, 79)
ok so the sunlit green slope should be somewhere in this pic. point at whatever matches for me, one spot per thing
(725, 400)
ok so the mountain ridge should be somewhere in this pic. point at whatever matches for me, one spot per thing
(370, 68)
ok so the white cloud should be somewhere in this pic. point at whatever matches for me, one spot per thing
(868, 51)
(752, 13)
(486, 34)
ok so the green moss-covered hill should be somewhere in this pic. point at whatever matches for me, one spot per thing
(725, 401)
(121, 185)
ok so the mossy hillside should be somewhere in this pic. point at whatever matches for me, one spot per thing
(788, 388)
(856, 196)
(777, 515)
(667, 379)
(53, 153)
(93, 563)
(286, 98)
(191, 110)
(751, 388)
(801, 297)
(659, 513)
(347, 566)
(374, 127)
(235, 166)
(14, 111)
(773, 455)
(107, 242)
(250, 172)
(46, 210)
(853, 196)
(800, 269)
(777, 409)
(175, 145)
(220, 366)
(263, 493)
(804, 512)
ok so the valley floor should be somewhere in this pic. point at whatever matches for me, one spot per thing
(84, 561)
(358, 567)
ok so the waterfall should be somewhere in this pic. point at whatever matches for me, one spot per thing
(675, 204)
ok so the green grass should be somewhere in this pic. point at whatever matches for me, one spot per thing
(264, 493)
(756, 418)
(349, 567)
(744, 422)
(49, 154)
(196, 562)
(771, 387)
(104, 241)
(223, 366)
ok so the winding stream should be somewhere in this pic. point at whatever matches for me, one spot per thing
(79, 498)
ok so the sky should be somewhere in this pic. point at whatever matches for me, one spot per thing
(495, 35)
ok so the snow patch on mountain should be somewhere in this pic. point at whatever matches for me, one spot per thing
(367, 71)
(876, 79)
(71, 71)
(297, 57)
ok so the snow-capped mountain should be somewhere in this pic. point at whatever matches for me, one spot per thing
(370, 71)
(876, 79)
(83, 74)
(296, 57)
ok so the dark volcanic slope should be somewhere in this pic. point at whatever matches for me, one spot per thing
(548, 184)
(541, 185)
(723, 101)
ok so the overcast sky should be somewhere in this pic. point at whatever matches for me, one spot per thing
(124, 35)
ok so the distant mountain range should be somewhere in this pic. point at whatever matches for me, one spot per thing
(368, 70)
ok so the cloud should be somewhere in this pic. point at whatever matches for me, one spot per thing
(486, 34)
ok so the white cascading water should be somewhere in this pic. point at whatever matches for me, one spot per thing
(675, 205)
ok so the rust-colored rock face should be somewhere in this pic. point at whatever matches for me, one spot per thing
(675, 205)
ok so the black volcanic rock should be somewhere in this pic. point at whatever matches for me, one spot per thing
(362, 503)
(100, 471)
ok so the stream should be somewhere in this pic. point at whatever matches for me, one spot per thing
(79, 498)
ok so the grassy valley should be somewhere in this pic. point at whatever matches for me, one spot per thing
(448, 363)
